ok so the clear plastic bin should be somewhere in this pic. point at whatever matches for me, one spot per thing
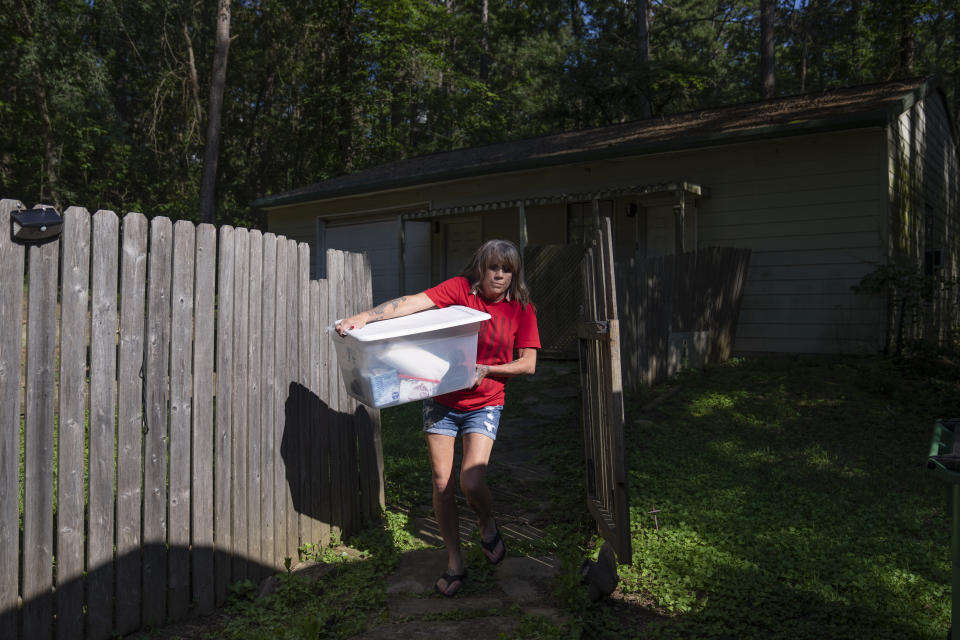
(410, 358)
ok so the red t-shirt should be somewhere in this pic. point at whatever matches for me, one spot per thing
(511, 326)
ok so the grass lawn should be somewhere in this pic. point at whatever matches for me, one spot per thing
(794, 503)
(794, 500)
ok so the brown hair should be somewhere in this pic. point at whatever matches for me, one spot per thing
(501, 252)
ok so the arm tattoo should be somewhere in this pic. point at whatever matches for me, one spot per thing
(380, 309)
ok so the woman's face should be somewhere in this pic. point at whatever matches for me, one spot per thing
(496, 281)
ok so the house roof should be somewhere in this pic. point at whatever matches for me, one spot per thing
(838, 109)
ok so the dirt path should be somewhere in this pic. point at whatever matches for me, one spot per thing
(499, 599)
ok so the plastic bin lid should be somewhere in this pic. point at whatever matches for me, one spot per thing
(422, 322)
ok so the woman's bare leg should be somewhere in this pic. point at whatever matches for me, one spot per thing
(440, 449)
(473, 483)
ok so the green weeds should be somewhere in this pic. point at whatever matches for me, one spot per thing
(794, 501)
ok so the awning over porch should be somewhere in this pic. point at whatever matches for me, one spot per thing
(680, 190)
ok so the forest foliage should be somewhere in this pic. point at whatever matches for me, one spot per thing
(104, 103)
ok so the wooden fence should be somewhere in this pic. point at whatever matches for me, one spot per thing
(674, 310)
(678, 311)
(171, 419)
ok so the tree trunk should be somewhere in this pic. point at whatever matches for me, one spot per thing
(767, 90)
(211, 150)
(642, 8)
(907, 38)
(194, 80)
(484, 39)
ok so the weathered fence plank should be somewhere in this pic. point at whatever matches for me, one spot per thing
(156, 398)
(181, 368)
(103, 375)
(336, 309)
(281, 389)
(202, 522)
(254, 391)
(318, 369)
(369, 444)
(351, 476)
(130, 421)
(292, 369)
(327, 370)
(74, 331)
(11, 343)
(223, 490)
(305, 517)
(241, 432)
(270, 448)
(39, 407)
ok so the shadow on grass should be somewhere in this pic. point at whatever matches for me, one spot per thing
(794, 503)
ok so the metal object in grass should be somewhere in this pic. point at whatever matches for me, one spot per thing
(944, 461)
(653, 512)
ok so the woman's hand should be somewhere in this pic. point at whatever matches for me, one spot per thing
(481, 373)
(353, 322)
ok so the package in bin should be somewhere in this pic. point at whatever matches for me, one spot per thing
(382, 386)
(410, 358)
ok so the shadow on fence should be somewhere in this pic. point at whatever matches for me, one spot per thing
(171, 419)
(326, 454)
(329, 453)
(678, 311)
(47, 617)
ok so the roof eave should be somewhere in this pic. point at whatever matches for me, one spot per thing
(879, 117)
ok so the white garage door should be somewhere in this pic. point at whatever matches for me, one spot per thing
(381, 242)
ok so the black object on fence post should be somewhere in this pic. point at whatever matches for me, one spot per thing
(35, 225)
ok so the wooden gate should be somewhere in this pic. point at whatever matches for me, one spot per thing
(602, 397)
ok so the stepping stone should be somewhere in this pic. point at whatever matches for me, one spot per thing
(417, 571)
(526, 580)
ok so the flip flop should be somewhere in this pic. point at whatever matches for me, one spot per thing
(490, 547)
(451, 579)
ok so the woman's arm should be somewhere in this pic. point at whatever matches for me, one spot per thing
(402, 306)
(525, 364)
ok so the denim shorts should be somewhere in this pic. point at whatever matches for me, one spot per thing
(443, 420)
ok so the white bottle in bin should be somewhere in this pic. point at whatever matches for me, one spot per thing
(413, 357)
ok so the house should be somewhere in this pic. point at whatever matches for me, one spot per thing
(823, 188)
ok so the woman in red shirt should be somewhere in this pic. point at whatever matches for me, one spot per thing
(493, 283)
